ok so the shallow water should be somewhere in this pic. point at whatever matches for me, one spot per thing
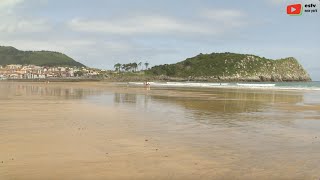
(312, 86)
(102, 130)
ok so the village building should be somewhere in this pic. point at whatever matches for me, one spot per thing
(17, 71)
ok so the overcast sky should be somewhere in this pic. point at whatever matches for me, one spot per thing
(100, 33)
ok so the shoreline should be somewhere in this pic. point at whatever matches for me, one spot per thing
(52, 80)
(156, 79)
(177, 85)
(232, 85)
(124, 77)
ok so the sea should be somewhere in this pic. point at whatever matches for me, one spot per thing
(314, 85)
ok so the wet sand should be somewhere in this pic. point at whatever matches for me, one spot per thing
(103, 131)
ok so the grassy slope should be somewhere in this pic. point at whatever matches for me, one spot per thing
(10, 55)
(230, 64)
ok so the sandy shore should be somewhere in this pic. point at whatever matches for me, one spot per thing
(66, 145)
(101, 131)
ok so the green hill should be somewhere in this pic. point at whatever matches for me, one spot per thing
(233, 67)
(11, 55)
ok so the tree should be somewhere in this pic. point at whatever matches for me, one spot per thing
(146, 64)
(78, 74)
(123, 67)
(139, 64)
(134, 66)
(117, 67)
(127, 67)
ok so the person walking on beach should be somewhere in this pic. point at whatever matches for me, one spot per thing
(147, 85)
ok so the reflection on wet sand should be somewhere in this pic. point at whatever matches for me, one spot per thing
(253, 134)
(125, 98)
(214, 106)
(233, 101)
(64, 92)
(102, 131)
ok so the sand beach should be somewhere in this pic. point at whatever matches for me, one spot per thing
(97, 130)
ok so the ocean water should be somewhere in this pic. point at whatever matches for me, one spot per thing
(315, 85)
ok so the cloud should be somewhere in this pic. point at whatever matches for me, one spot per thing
(223, 14)
(206, 22)
(4, 4)
(14, 24)
(61, 45)
(284, 2)
(227, 17)
(139, 25)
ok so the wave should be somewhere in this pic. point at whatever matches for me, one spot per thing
(275, 86)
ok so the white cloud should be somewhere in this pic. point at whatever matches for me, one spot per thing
(286, 2)
(139, 24)
(13, 24)
(228, 17)
(4, 4)
(207, 22)
(223, 14)
(61, 45)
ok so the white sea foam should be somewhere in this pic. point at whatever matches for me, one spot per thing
(275, 86)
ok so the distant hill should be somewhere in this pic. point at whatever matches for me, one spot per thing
(233, 67)
(11, 55)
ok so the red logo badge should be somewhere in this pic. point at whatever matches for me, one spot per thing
(294, 9)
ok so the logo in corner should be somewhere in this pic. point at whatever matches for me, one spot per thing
(294, 9)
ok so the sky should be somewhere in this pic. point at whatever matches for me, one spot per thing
(101, 33)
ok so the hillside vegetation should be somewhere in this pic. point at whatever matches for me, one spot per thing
(233, 67)
(11, 55)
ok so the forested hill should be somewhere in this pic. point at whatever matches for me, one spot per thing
(232, 66)
(11, 55)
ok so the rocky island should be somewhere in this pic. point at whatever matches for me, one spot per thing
(231, 67)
